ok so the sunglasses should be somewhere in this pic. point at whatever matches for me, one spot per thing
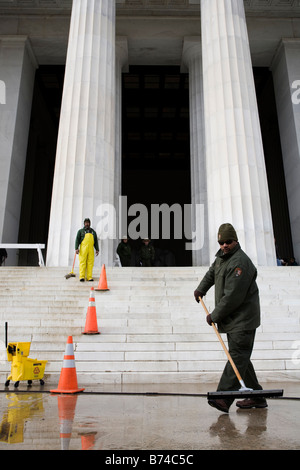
(228, 242)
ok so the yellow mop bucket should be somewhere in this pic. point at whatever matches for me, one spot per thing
(24, 368)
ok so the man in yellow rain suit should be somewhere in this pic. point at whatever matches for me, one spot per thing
(87, 240)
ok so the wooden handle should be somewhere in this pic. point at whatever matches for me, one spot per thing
(74, 262)
(223, 344)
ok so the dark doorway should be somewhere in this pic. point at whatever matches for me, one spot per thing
(273, 159)
(40, 160)
(156, 148)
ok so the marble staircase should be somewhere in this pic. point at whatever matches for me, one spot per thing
(151, 329)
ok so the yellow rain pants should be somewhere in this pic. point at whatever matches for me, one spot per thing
(86, 257)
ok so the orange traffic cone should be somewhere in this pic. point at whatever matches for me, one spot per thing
(102, 281)
(91, 326)
(68, 377)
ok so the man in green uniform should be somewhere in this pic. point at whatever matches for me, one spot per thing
(124, 252)
(236, 313)
(87, 240)
(147, 253)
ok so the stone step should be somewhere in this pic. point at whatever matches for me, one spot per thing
(151, 327)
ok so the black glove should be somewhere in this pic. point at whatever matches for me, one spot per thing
(208, 319)
(197, 294)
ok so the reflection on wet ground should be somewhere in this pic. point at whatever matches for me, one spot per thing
(38, 420)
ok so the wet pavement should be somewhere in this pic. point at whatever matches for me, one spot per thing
(170, 417)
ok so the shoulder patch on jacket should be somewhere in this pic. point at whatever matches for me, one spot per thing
(238, 272)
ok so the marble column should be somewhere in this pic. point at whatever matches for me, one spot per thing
(85, 159)
(192, 62)
(286, 75)
(236, 176)
(17, 74)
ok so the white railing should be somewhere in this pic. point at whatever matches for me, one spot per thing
(26, 246)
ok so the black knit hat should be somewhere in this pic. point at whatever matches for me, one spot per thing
(227, 232)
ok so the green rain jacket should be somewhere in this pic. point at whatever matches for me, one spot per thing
(81, 234)
(237, 306)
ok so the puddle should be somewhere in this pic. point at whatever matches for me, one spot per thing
(43, 421)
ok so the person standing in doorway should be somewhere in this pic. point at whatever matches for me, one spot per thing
(147, 253)
(236, 313)
(85, 244)
(124, 252)
(3, 256)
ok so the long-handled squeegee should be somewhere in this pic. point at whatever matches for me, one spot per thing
(243, 392)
